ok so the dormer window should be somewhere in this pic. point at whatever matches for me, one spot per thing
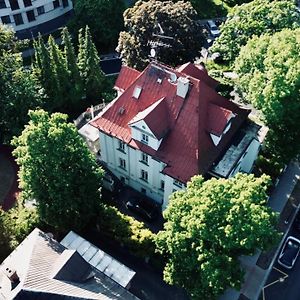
(145, 138)
(136, 92)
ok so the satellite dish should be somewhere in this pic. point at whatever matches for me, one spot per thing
(152, 53)
(173, 77)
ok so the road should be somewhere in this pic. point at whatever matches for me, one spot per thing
(282, 283)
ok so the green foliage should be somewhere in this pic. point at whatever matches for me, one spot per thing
(8, 40)
(58, 171)
(104, 18)
(269, 78)
(15, 225)
(88, 65)
(19, 92)
(127, 231)
(232, 3)
(143, 20)
(209, 226)
(254, 18)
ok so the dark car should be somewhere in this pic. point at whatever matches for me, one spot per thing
(144, 208)
(289, 252)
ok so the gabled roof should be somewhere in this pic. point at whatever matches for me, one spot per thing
(46, 271)
(126, 77)
(218, 117)
(156, 117)
(187, 149)
(198, 72)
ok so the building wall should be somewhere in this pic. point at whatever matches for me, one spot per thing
(132, 173)
(50, 12)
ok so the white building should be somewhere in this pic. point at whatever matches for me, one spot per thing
(29, 17)
(166, 126)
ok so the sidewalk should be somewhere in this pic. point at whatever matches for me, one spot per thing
(256, 276)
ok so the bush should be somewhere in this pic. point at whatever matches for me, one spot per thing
(126, 230)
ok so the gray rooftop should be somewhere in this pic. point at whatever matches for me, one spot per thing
(47, 270)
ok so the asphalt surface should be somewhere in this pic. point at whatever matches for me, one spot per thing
(283, 283)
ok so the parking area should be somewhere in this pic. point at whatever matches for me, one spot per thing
(283, 283)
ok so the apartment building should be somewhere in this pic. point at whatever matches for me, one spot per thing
(31, 17)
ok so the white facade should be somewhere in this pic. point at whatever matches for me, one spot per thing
(27, 14)
(137, 169)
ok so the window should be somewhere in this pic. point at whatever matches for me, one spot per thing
(2, 4)
(144, 175)
(14, 4)
(143, 191)
(177, 183)
(5, 20)
(27, 3)
(18, 19)
(30, 15)
(65, 3)
(121, 146)
(145, 138)
(40, 10)
(136, 92)
(122, 163)
(55, 4)
(144, 158)
(162, 185)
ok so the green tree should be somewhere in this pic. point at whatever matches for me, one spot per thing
(176, 20)
(58, 171)
(89, 66)
(8, 40)
(269, 78)
(209, 226)
(74, 79)
(254, 18)
(15, 225)
(104, 18)
(19, 92)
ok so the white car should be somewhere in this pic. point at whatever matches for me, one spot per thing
(289, 252)
(213, 29)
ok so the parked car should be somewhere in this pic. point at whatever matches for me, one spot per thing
(213, 28)
(289, 252)
(144, 208)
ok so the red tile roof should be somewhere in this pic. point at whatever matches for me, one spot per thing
(126, 77)
(218, 118)
(187, 149)
(156, 117)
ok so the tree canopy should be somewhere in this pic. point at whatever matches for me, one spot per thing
(209, 226)
(269, 78)
(58, 171)
(175, 20)
(104, 18)
(20, 89)
(254, 18)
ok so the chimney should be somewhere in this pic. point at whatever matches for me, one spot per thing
(12, 275)
(182, 87)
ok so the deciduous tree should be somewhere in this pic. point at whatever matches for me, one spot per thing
(104, 18)
(269, 78)
(209, 226)
(58, 171)
(254, 18)
(175, 20)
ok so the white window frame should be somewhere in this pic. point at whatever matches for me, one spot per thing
(145, 138)
(178, 183)
(144, 158)
(144, 175)
(122, 163)
(121, 146)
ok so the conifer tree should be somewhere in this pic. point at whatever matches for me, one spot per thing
(88, 65)
(70, 58)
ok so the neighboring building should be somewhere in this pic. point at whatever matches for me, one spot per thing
(167, 125)
(29, 17)
(41, 268)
